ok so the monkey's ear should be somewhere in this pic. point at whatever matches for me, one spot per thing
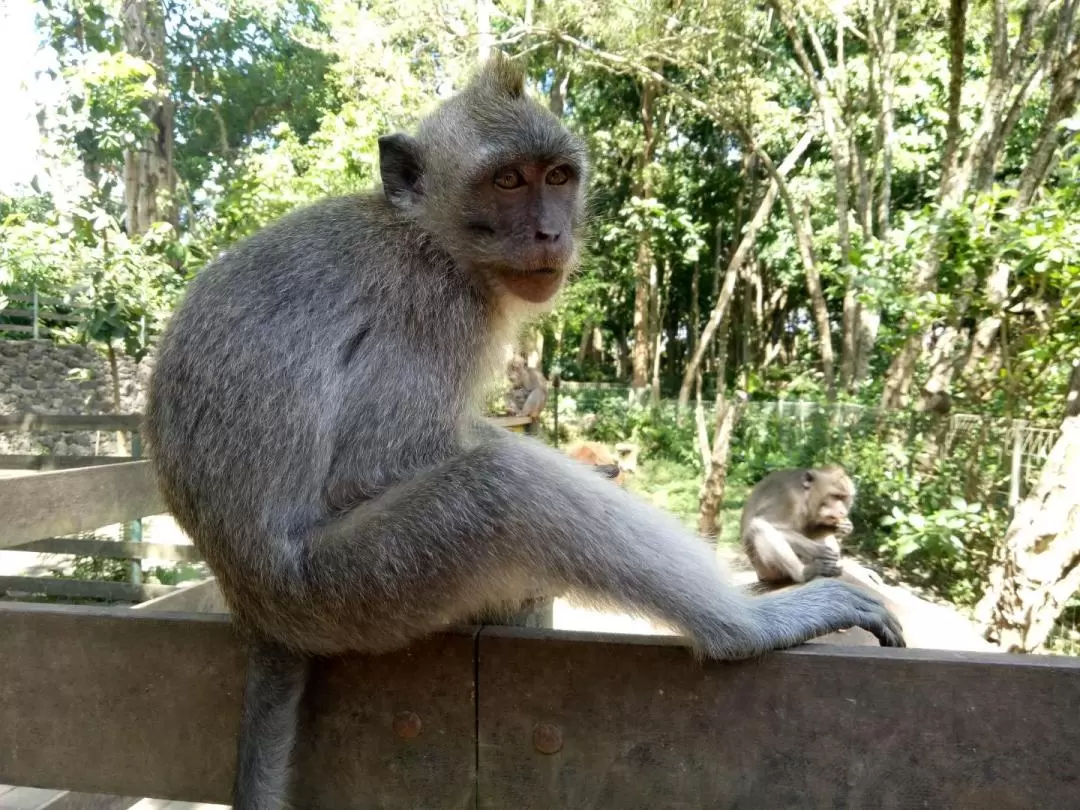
(808, 479)
(401, 167)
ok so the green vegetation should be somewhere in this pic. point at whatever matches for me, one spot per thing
(873, 207)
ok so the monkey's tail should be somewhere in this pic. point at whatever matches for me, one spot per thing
(276, 678)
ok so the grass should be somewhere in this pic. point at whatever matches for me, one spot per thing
(674, 488)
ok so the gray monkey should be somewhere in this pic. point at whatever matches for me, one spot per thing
(290, 425)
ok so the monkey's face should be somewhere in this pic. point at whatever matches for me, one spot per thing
(499, 183)
(830, 494)
(833, 509)
(522, 219)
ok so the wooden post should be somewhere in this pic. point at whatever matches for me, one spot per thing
(34, 306)
(1016, 469)
(555, 375)
(135, 527)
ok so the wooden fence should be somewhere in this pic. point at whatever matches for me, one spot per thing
(146, 702)
(31, 312)
(79, 494)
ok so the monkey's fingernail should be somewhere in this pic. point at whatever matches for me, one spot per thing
(547, 739)
(407, 725)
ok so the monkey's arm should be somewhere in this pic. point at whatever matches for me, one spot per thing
(512, 513)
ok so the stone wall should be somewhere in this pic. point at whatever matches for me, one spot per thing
(44, 377)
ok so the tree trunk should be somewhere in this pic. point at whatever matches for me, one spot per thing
(817, 299)
(659, 284)
(726, 414)
(1037, 568)
(901, 373)
(149, 177)
(122, 447)
(485, 39)
(644, 266)
(560, 84)
(882, 37)
(735, 263)
(831, 100)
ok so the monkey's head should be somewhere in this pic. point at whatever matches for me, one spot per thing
(498, 182)
(830, 493)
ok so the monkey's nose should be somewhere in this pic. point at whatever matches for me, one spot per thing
(543, 235)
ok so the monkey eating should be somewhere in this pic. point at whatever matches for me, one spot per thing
(528, 389)
(792, 522)
(293, 439)
(598, 457)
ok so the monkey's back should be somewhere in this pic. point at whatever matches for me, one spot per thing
(276, 382)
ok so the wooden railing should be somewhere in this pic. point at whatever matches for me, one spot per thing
(36, 511)
(146, 702)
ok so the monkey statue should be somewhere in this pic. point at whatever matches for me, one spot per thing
(599, 457)
(528, 389)
(792, 522)
(341, 512)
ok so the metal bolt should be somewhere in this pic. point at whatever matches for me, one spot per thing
(547, 738)
(407, 725)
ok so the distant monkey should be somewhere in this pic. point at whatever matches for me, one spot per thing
(342, 512)
(597, 456)
(528, 389)
(792, 522)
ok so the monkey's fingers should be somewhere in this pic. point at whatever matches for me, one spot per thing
(879, 620)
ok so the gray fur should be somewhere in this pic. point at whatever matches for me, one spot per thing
(291, 424)
(781, 529)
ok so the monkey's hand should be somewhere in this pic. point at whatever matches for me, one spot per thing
(825, 562)
(844, 528)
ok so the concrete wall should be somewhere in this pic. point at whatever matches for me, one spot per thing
(45, 377)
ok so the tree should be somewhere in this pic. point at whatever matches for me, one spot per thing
(1037, 566)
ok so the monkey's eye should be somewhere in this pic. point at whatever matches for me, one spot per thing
(509, 179)
(558, 176)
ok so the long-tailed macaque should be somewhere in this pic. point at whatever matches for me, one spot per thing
(792, 521)
(598, 457)
(528, 389)
(294, 439)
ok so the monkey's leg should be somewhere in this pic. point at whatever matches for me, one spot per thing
(512, 515)
(773, 558)
(821, 557)
(276, 678)
(534, 403)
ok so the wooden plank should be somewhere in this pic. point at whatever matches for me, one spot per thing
(48, 461)
(111, 549)
(204, 597)
(90, 801)
(511, 422)
(639, 724)
(24, 329)
(27, 421)
(83, 588)
(42, 315)
(42, 300)
(70, 501)
(147, 704)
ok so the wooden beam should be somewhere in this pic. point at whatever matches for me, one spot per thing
(48, 461)
(27, 422)
(511, 422)
(83, 588)
(203, 597)
(71, 501)
(110, 549)
(146, 704)
(639, 725)
(42, 315)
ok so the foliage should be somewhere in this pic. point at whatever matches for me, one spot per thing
(276, 103)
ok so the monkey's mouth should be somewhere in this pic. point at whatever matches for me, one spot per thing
(537, 284)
